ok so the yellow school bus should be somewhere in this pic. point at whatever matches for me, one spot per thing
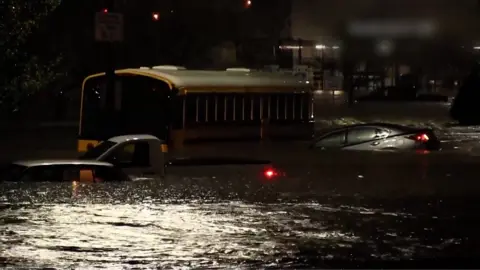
(184, 106)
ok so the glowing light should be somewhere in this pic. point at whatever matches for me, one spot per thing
(270, 173)
(423, 138)
(155, 16)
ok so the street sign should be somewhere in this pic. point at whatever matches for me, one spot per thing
(108, 27)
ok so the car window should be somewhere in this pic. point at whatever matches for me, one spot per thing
(109, 174)
(132, 154)
(365, 134)
(43, 174)
(12, 172)
(98, 150)
(333, 140)
(68, 173)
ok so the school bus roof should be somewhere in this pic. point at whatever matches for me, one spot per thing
(186, 79)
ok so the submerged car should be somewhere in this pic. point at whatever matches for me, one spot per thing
(378, 136)
(61, 171)
(140, 156)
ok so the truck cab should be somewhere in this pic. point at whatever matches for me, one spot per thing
(136, 155)
(141, 158)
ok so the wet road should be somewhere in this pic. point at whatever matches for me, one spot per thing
(319, 215)
(61, 142)
(330, 210)
(141, 226)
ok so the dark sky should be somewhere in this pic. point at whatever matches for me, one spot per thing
(318, 19)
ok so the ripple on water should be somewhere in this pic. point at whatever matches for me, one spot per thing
(55, 226)
(211, 235)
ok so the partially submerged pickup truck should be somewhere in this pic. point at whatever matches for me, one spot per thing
(141, 157)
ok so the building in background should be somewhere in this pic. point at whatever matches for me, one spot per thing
(388, 36)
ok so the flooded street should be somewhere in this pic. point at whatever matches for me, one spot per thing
(223, 223)
(201, 135)
(331, 210)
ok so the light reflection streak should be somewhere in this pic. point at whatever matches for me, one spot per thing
(165, 235)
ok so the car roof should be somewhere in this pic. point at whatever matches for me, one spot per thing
(46, 162)
(373, 124)
(124, 138)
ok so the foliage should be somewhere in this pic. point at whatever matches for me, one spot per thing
(25, 65)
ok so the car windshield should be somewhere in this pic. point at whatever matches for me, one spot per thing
(98, 150)
(11, 172)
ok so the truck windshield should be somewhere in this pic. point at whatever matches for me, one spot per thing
(98, 150)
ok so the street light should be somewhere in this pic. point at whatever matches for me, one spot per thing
(248, 3)
(155, 16)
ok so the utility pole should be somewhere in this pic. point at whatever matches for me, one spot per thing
(110, 67)
(108, 31)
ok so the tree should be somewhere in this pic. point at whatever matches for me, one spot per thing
(26, 65)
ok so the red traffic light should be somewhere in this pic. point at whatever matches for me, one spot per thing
(155, 16)
(248, 3)
(105, 10)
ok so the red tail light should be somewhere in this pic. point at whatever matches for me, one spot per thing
(270, 173)
(422, 137)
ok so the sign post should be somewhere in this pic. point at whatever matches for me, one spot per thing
(109, 30)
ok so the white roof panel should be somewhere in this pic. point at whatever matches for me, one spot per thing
(206, 78)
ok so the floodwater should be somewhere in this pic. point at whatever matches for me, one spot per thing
(314, 218)
(331, 210)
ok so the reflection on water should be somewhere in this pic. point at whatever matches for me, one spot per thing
(146, 224)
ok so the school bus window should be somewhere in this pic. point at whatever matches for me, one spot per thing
(274, 107)
(211, 103)
(191, 109)
(239, 108)
(256, 107)
(201, 108)
(220, 107)
(289, 99)
(177, 113)
(248, 107)
(266, 100)
(282, 98)
(306, 100)
(294, 105)
(93, 106)
(95, 92)
(229, 110)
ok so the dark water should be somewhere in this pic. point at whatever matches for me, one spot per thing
(230, 223)
(331, 211)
